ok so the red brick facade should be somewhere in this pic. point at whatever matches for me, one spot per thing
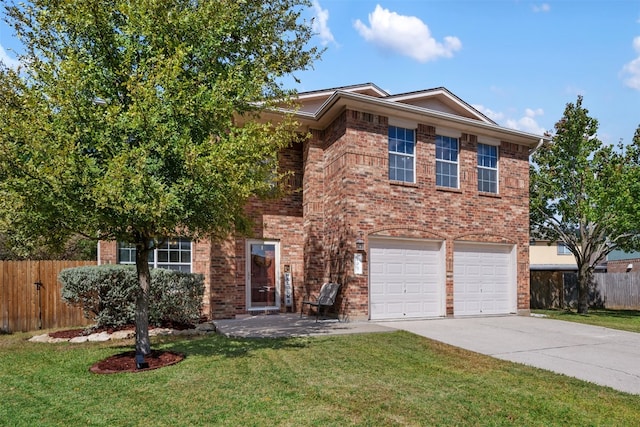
(341, 188)
(622, 265)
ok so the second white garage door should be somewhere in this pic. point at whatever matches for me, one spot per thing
(406, 279)
(484, 279)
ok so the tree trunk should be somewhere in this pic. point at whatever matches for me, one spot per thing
(584, 282)
(143, 345)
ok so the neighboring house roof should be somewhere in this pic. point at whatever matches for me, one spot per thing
(438, 107)
(618, 255)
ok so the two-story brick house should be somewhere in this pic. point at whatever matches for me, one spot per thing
(434, 191)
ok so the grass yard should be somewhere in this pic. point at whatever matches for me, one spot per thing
(626, 320)
(379, 379)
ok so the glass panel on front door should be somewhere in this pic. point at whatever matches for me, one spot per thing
(262, 266)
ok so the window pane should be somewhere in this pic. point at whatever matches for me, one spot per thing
(163, 256)
(174, 254)
(401, 154)
(446, 161)
(487, 168)
(124, 256)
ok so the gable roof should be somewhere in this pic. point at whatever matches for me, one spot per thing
(440, 96)
(437, 107)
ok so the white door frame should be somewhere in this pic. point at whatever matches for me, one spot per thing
(248, 289)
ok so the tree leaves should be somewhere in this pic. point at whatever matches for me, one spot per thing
(125, 114)
(584, 193)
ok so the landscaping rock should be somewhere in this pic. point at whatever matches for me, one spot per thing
(206, 327)
(202, 328)
(122, 335)
(40, 338)
(99, 337)
(155, 332)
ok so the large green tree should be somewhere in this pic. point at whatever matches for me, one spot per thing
(585, 194)
(134, 120)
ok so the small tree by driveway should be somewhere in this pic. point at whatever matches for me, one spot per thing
(585, 194)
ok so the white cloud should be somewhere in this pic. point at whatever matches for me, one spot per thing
(319, 25)
(8, 61)
(527, 123)
(632, 69)
(406, 35)
(493, 115)
(544, 7)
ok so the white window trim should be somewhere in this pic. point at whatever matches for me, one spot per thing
(562, 252)
(497, 169)
(403, 123)
(413, 156)
(451, 133)
(488, 141)
(457, 163)
(155, 262)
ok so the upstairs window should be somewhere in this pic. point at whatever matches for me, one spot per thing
(402, 154)
(446, 161)
(487, 168)
(563, 249)
(174, 254)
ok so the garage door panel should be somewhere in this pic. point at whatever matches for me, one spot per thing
(484, 279)
(406, 279)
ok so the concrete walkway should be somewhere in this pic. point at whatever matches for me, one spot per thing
(291, 325)
(599, 355)
(603, 356)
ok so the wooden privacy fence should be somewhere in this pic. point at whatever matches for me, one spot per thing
(619, 291)
(26, 306)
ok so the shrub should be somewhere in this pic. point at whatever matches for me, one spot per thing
(175, 297)
(107, 294)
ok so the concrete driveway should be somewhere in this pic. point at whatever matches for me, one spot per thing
(603, 356)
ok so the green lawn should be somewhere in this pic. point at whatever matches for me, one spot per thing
(626, 320)
(375, 379)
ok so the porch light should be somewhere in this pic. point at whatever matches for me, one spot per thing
(360, 243)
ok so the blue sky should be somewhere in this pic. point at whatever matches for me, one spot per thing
(517, 61)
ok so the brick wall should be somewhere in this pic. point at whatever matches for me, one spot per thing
(277, 220)
(620, 266)
(359, 197)
(340, 187)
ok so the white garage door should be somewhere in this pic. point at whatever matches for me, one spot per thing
(406, 279)
(484, 279)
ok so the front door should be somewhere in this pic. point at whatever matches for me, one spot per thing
(263, 275)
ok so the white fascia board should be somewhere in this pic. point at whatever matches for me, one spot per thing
(340, 100)
(441, 92)
(351, 89)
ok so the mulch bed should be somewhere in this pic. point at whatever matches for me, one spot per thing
(126, 362)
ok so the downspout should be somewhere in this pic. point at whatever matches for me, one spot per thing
(540, 143)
